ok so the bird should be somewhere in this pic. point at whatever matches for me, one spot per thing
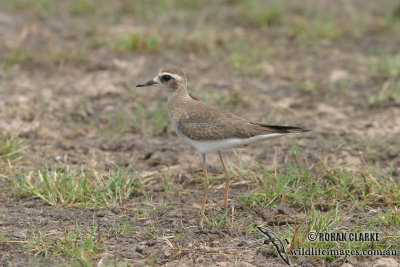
(209, 129)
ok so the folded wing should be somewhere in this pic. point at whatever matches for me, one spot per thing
(210, 123)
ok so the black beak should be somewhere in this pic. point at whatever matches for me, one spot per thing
(148, 83)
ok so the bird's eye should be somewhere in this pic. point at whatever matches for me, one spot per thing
(166, 77)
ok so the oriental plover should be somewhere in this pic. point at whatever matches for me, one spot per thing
(209, 129)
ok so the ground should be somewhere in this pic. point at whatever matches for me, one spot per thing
(91, 171)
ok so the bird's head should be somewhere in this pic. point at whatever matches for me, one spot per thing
(172, 80)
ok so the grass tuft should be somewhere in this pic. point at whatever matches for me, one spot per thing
(321, 188)
(215, 222)
(124, 227)
(387, 69)
(11, 149)
(136, 42)
(261, 13)
(73, 188)
(38, 6)
(74, 246)
(19, 56)
(82, 6)
(333, 221)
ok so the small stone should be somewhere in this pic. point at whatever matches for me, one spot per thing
(386, 262)
(267, 68)
(338, 75)
(346, 264)
(352, 260)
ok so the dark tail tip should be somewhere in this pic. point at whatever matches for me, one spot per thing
(284, 129)
(292, 129)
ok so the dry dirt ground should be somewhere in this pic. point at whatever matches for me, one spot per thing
(67, 96)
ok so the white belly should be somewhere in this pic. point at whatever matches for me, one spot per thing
(220, 145)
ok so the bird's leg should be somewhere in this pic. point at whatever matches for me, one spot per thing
(203, 206)
(227, 181)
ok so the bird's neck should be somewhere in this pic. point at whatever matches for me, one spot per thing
(177, 101)
(178, 95)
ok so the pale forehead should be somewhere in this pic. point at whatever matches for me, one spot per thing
(173, 75)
